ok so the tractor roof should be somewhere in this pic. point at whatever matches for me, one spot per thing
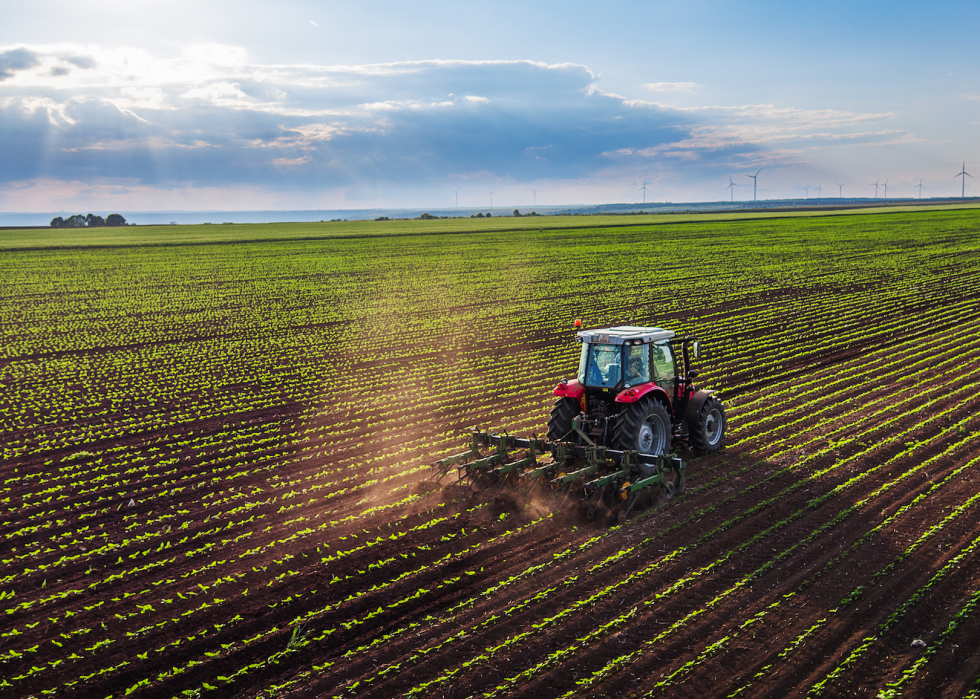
(623, 334)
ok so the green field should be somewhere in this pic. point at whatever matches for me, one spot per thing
(216, 435)
(261, 232)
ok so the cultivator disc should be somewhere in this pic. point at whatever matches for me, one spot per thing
(594, 472)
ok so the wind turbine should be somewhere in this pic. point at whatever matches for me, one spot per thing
(644, 188)
(807, 188)
(456, 192)
(819, 191)
(732, 186)
(491, 197)
(875, 185)
(755, 181)
(885, 185)
(920, 187)
(840, 190)
(535, 193)
(961, 174)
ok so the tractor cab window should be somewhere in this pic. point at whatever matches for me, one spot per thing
(637, 364)
(583, 362)
(663, 366)
(604, 366)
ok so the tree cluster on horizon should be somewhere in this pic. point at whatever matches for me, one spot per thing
(89, 221)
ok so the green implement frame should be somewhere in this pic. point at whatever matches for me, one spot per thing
(629, 471)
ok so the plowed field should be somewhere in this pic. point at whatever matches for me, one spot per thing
(215, 474)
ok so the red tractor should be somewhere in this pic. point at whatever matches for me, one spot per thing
(613, 427)
(635, 392)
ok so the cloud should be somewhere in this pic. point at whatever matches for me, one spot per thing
(130, 144)
(292, 162)
(85, 62)
(303, 137)
(32, 105)
(131, 98)
(208, 117)
(671, 87)
(16, 60)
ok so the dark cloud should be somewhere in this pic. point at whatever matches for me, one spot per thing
(413, 125)
(427, 122)
(86, 62)
(16, 59)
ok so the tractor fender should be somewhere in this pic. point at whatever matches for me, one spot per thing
(695, 404)
(631, 395)
(571, 389)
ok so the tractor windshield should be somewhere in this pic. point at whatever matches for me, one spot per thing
(583, 362)
(637, 364)
(604, 365)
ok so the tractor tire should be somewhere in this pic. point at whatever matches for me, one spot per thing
(708, 428)
(560, 422)
(644, 427)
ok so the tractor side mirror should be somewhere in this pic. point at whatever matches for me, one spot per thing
(696, 350)
(693, 374)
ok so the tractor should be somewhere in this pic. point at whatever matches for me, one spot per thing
(635, 387)
(614, 427)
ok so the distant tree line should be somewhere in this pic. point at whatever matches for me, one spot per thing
(90, 221)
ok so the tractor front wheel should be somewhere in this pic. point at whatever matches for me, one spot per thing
(708, 428)
(560, 422)
(644, 427)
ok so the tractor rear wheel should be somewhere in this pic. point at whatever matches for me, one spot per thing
(644, 427)
(708, 428)
(560, 422)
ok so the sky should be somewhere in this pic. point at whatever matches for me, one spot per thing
(151, 105)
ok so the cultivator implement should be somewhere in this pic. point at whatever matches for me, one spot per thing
(594, 471)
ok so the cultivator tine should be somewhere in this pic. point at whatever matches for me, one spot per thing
(534, 486)
(565, 499)
(680, 467)
(632, 502)
(598, 501)
(561, 452)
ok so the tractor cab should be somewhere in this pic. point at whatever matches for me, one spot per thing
(635, 391)
(626, 357)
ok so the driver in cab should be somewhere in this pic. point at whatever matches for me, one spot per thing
(634, 370)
